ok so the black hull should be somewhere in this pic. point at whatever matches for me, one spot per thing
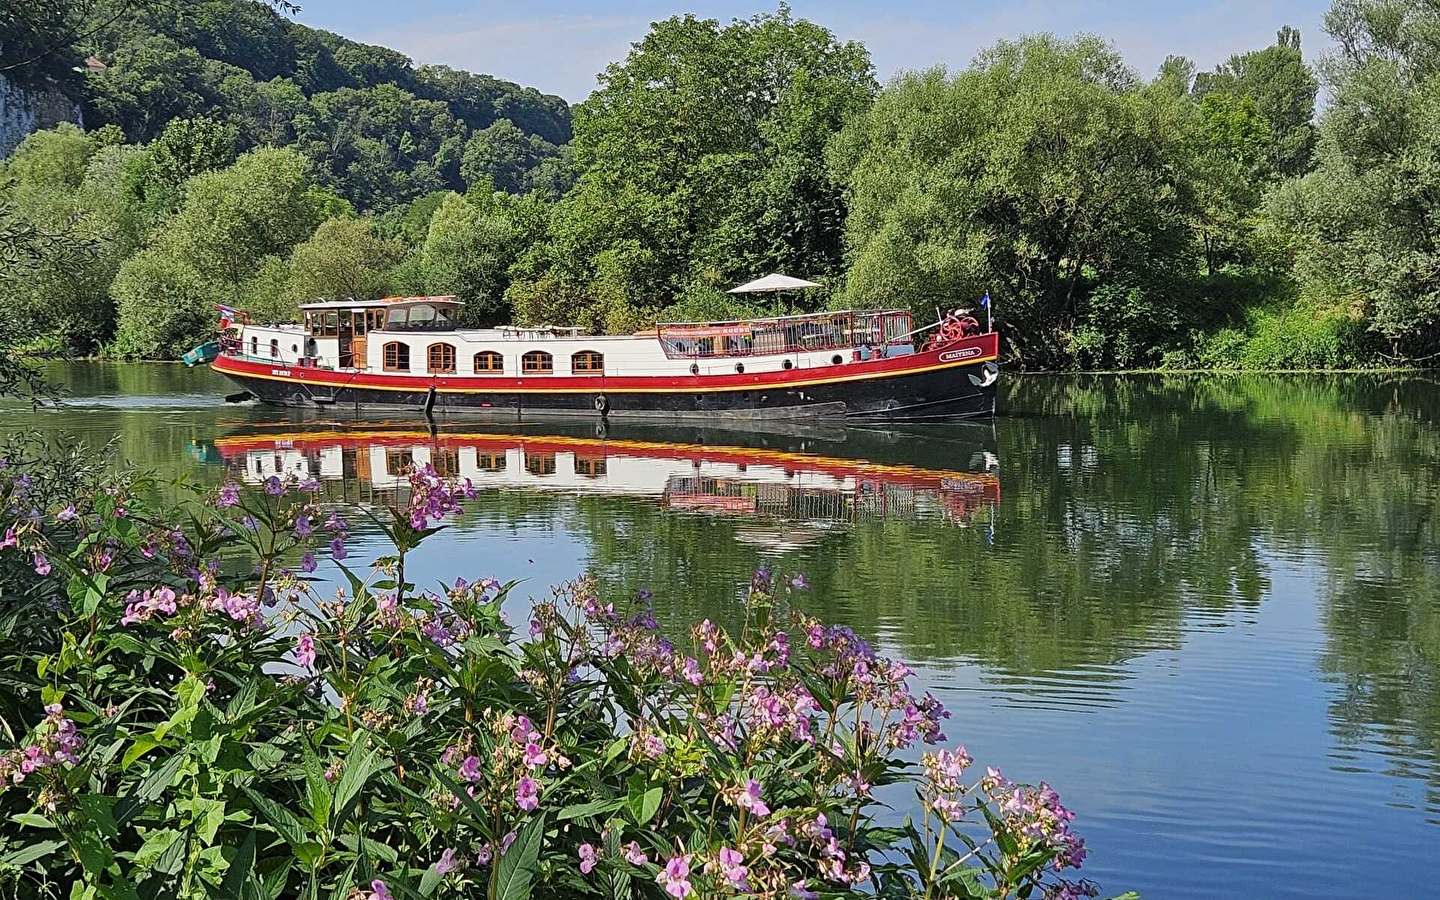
(962, 392)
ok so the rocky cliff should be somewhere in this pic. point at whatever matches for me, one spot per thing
(24, 108)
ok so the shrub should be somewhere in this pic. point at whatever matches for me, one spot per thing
(187, 716)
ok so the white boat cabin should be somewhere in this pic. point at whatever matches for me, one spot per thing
(419, 336)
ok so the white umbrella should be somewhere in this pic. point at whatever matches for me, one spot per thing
(776, 282)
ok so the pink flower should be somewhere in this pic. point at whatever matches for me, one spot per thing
(42, 565)
(380, 891)
(470, 769)
(675, 877)
(485, 854)
(535, 757)
(305, 650)
(527, 793)
(750, 799)
(634, 855)
(691, 671)
(447, 862)
(588, 858)
(732, 866)
(799, 891)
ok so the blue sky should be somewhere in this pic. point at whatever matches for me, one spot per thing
(560, 46)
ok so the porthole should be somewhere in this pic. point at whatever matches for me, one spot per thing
(740, 368)
(787, 364)
(836, 360)
(294, 348)
(694, 368)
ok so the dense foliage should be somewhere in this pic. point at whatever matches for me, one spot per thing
(186, 716)
(1194, 219)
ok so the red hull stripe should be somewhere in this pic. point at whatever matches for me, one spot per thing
(984, 348)
(313, 442)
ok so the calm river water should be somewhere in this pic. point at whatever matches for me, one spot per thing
(1206, 609)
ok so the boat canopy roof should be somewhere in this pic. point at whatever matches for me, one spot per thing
(832, 330)
(373, 304)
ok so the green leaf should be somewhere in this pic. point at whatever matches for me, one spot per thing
(239, 883)
(26, 855)
(317, 789)
(517, 867)
(156, 843)
(98, 812)
(152, 787)
(32, 820)
(95, 855)
(430, 881)
(281, 819)
(142, 745)
(360, 764)
(593, 808)
(209, 815)
(643, 801)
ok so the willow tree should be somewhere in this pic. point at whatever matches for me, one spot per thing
(1044, 174)
(1366, 216)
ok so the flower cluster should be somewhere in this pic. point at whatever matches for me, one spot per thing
(432, 498)
(56, 741)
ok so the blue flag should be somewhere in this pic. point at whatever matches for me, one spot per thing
(985, 300)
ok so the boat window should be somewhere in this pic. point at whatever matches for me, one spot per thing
(332, 324)
(254, 346)
(446, 463)
(489, 361)
(397, 357)
(399, 462)
(537, 362)
(440, 358)
(362, 320)
(274, 348)
(540, 463)
(490, 462)
(590, 466)
(587, 362)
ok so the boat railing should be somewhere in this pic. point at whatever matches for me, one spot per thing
(786, 334)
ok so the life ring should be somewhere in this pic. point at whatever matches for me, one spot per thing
(602, 405)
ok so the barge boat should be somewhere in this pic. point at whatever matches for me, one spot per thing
(409, 353)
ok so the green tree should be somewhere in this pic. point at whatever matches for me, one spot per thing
(163, 303)
(1042, 172)
(700, 161)
(505, 156)
(345, 260)
(381, 146)
(49, 159)
(1283, 89)
(472, 244)
(233, 223)
(1363, 219)
(262, 206)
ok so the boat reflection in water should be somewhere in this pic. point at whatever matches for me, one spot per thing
(717, 474)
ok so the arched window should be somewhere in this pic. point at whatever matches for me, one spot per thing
(274, 348)
(587, 362)
(537, 362)
(397, 357)
(489, 361)
(440, 359)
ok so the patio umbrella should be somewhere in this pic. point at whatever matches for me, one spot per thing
(772, 283)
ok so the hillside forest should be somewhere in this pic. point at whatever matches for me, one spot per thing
(1208, 216)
